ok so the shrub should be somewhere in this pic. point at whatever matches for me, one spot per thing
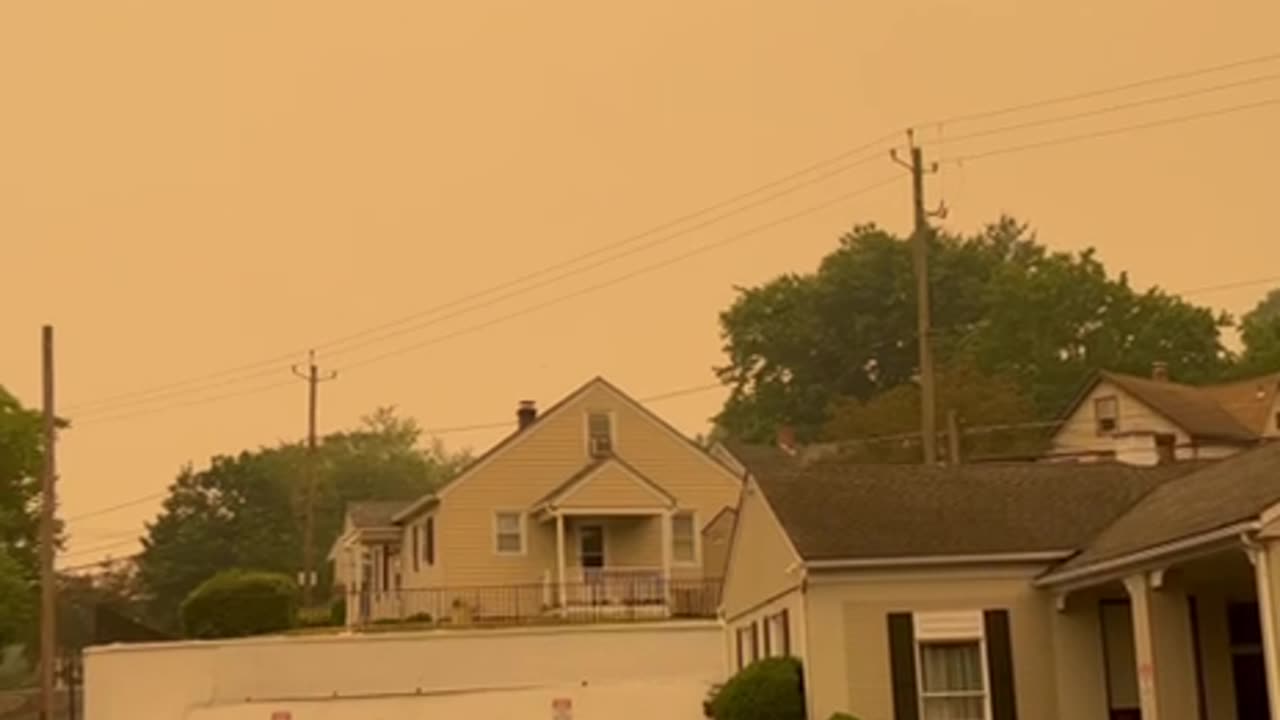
(771, 689)
(338, 612)
(841, 716)
(238, 603)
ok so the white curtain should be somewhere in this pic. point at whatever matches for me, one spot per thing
(951, 681)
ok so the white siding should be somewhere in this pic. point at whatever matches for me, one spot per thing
(1079, 433)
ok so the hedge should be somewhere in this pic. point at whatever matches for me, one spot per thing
(771, 689)
(239, 603)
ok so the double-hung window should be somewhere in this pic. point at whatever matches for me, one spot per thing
(952, 680)
(508, 533)
(1106, 411)
(684, 538)
(429, 541)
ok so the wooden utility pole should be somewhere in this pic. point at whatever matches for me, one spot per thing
(920, 261)
(48, 503)
(313, 378)
(953, 438)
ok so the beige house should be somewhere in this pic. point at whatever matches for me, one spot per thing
(1033, 591)
(1146, 421)
(595, 505)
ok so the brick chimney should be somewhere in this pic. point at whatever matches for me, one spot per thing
(1160, 371)
(786, 439)
(526, 413)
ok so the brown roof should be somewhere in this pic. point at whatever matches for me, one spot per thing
(1198, 410)
(837, 510)
(375, 513)
(1221, 494)
(1250, 401)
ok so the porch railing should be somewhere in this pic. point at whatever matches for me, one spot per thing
(602, 598)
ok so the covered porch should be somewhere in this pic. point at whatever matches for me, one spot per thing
(612, 531)
(1187, 631)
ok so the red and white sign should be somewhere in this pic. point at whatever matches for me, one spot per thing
(282, 715)
(562, 709)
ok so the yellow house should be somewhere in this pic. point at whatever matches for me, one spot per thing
(1033, 591)
(595, 506)
(1147, 421)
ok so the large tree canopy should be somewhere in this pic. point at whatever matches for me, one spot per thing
(21, 458)
(246, 511)
(1003, 305)
(1260, 331)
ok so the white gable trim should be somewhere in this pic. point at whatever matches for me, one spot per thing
(666, 498)
(563, 406)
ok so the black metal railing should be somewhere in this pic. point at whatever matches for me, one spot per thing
(536, 603)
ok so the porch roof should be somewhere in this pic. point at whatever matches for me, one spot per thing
(656, 495)
(1216, 496)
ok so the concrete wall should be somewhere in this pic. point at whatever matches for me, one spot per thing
(669, 663)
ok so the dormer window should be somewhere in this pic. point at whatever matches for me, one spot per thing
(1106, 412)
(599, 434)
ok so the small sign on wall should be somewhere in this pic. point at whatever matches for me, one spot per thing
(562, 709)
(282, 715)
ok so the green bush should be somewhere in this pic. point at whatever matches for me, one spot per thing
(320, 617)
(771, 689)
(841, 716)
(239, 603)
(338, 612)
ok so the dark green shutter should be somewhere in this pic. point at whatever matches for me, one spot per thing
(1004, 703)
(902, 665)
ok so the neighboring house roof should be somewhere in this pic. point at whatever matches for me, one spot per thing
(834, 510)
(375, 513)
(590, 470)
(519, 433)
(1232, 412)
(1217, 496)
(728, 513)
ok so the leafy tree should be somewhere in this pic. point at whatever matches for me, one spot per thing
(800, 345)
(1260, 331)
(247, 511)
(21, 459)
(17, 601)
(894, 415)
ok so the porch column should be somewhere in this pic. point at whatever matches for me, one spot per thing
(560, 569)
(1265, 556)
(665, 519)
(1165, 648)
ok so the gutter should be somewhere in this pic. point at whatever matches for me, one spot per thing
(935, 560)
(1157, 552)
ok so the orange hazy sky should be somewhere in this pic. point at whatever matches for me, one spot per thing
(188, 187)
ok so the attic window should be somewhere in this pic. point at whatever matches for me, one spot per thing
(599, 434)
(1106, 411)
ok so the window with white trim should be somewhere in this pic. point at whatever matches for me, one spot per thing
(777, 635)
(509, 533)
(429, 541)
(1106, 412)
(599, 434)
(684, 538)
(952, 673)
(952, 685)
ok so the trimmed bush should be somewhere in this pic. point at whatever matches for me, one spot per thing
(338, 612)
(771, 689)
(239, 603)
(841, 716)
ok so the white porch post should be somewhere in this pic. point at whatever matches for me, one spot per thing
(1164, 648)
(560, 569)
(1264, 557)
(665, 519)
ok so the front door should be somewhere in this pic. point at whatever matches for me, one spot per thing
(591, 548)
(1248, 667)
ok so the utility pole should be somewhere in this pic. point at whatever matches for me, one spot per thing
(313, 378)
(48, 591)
(920, 262)
(953, 438)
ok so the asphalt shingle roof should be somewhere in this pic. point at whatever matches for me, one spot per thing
(837, 510)
(375, 513)
(1219, 495)
(1198, 410)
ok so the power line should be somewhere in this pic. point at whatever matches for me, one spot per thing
(1257, 60)
(1107, 110)
(113, 508)
(737, 237)
(280, 359)
(104, 546)
(98, 420)
(1115, 131)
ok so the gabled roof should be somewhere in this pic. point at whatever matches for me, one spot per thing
(374, 513)
(591, 470)
(1233, 412)
(835, 510)
(1217, 496)
(519, 434)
